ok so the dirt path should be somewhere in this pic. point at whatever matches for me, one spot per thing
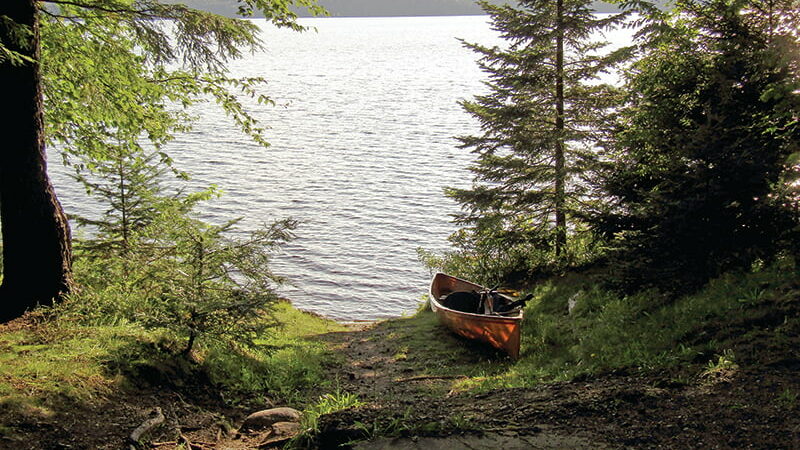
(410, 374)
(413, 402)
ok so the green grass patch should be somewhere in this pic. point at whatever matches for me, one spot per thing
(288, 364)
(66, 360)
(605, 331)
(427, 348)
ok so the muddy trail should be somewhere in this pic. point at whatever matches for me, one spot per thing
(409, 404)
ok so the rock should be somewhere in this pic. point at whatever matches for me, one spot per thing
(264, 419)
(285, 428)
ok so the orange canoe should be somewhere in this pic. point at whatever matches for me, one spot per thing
(501, 332)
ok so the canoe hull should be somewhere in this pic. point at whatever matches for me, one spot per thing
(501, 332)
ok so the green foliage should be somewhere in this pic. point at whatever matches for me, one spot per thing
(188, 277)
(151, 262)
(723, 362)
(15, 36)
(542, 120)
(325, 404)
(51, 361)
(213, 285)
(696, 188)
(130, 185)
(121, 73)
(61, 356)
(285, 364)
(788, 399)
(390, 426)
(489, 260)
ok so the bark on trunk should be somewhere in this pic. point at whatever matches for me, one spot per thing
(36, 237)
(560, 197)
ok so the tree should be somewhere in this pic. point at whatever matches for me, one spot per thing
(36, 248)
(130, 184)
(112, 72)
(711, 118)
(543, 117)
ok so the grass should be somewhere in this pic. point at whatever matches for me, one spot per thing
(604, 331)
(325, 404)
(47, 363)
(290, 364)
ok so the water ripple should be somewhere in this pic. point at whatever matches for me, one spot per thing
(362, 147)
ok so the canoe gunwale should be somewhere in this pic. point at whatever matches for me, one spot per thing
(490, 317)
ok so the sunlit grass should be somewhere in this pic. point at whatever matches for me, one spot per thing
(66, 361)
(605, 331)
(62, 359)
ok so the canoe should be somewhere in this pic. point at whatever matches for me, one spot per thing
(499, 331)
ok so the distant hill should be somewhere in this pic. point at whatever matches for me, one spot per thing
(374, 8)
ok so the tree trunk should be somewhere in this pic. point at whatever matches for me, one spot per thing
(561, 218)
(36, 238)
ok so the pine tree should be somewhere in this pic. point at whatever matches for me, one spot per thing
(542, 120)
(703, 145)
(130, 184)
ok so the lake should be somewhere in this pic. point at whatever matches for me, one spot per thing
(362, 147)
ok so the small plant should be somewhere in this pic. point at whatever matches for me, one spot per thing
(751, 297)
(462, 422)
(725, 361)
(788, 398)
(209, 284)
(402, 353)
(326, 404)
(381, 427)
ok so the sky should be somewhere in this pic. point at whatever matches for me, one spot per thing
(366, 8)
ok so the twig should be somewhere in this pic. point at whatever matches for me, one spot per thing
(156, 419)
(186, 441)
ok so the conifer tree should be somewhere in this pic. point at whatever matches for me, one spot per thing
(705, 140)
(129, 183)
(543, 117)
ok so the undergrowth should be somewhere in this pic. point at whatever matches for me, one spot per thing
(53, 361)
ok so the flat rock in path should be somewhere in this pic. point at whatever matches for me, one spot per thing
(267, 418)
(285, 429)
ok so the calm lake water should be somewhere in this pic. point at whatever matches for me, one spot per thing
(362, 147)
